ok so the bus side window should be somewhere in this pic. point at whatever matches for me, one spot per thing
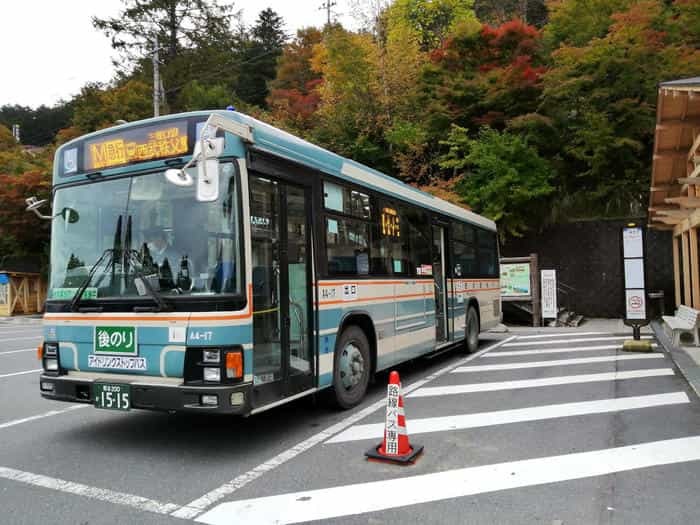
(420, 241)
(488, 253)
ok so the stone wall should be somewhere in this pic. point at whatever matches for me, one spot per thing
(588, 257)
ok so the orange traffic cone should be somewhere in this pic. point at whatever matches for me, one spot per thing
(395, 447)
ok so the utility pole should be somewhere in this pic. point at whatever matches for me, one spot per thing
(156, 80)
(328, 5)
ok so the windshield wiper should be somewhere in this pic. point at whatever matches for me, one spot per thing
(131, 256)
(79, 294)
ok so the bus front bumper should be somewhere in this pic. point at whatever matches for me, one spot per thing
(151, 396)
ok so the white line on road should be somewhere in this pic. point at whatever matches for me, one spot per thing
(536, 383)
(561, 334)
(18, 351)
(361, 498)
(513, 353)
(40, 416)
(21, 373)
(577, 340)
(119, 498)
(21, 338)
(556, 362)
(13, 332)
(520, 415)
(199, 505)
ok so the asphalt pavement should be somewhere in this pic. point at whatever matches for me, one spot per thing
(538, 428)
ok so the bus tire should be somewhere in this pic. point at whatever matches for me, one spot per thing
(471, 335)
(351, 367)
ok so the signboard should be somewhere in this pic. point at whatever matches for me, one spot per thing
(635, 305)
(515, 279)
(549, 294)
(135, 145)
(633, 257)
(4, 278)
(116, 340)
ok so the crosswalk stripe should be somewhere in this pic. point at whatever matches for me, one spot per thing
(561, 334)
(575, 340)
(565, 349)
(360, 498)
(536, 383)
(556, 362)
(520, 415)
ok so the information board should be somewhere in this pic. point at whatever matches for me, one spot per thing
(515, 280)
(549, 294)
(633, 257)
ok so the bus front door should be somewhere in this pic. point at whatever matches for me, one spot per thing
(281, 257)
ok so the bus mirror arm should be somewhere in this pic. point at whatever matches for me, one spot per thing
(33, 205)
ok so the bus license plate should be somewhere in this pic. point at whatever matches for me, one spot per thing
(112, 396)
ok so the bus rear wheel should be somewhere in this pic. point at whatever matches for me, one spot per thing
(471, 342)
(351, 367)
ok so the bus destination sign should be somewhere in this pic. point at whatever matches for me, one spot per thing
(137, 145)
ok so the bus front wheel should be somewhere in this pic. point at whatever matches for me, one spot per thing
(351, 367)
(471, 343)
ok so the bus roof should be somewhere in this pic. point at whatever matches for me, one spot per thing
(279, 143)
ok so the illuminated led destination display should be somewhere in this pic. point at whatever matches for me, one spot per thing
(137, 145)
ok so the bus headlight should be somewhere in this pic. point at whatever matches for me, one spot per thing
(211, 356)
(212, 374)
(51, 364)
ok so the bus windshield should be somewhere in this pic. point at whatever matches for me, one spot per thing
(116, 232)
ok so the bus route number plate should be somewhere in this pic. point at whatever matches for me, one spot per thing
(112, 396)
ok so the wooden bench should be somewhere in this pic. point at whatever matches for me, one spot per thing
(685, 320)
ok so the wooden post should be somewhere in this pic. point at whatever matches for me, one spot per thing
(695, 283)
(535, 290)
(677, 269)
(687, 299)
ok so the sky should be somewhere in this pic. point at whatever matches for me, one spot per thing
(49, 49)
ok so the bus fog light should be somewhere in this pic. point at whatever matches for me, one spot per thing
(47, 387)
(237, 398)
(210, 356)
(51, 364)
(212, 374)
(209, 400)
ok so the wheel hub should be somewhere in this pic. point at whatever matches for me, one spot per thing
(352, 366)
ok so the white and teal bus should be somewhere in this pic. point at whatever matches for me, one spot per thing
(210, 262)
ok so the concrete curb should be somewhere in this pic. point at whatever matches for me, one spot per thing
(688, 367)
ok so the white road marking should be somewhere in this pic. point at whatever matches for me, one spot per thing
(40, 416)
(556, 362)
(536, 383)
(398, 492)
(61, 485)
(577, 340)
(561, 334)
(13, 332)
(512, 353)
(21, 338)
(18, 351)
(199, 505)
(21, 373)
(520, 415)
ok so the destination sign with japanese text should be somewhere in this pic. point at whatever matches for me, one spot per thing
(137, 145)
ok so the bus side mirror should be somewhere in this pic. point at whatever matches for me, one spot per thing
(208, 168)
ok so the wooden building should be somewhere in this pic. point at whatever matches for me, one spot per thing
(674, 200)
(22, 288)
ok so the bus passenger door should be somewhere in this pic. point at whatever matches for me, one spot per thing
(439, 275)
(281, 259)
